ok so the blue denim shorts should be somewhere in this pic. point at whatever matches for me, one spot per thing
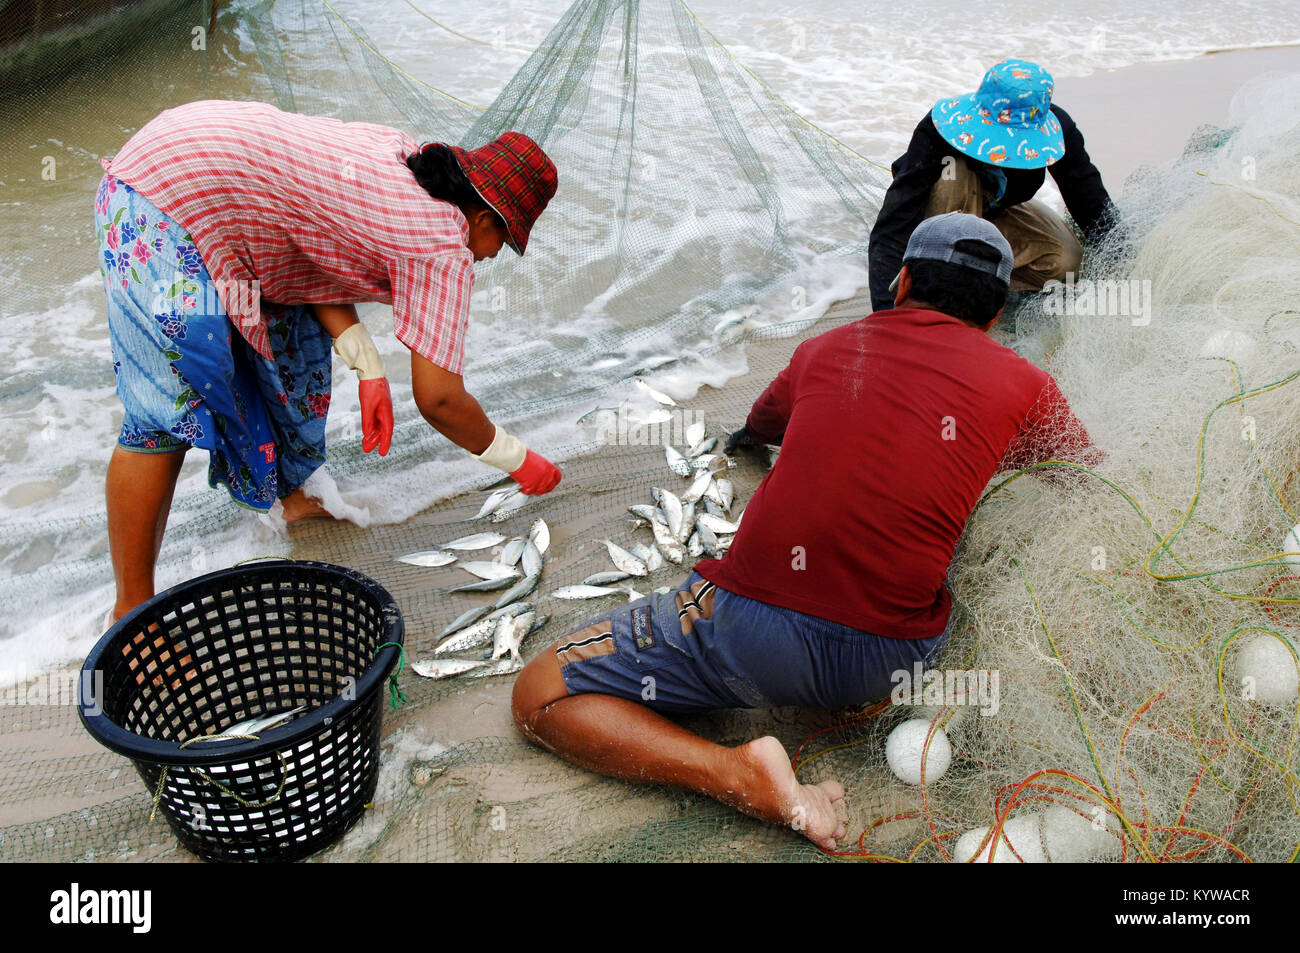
(699, 647)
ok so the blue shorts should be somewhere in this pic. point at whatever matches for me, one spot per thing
(699, 647)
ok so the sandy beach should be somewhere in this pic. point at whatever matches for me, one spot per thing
(451, 753)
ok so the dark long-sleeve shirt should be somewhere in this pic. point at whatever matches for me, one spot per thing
(916, 171)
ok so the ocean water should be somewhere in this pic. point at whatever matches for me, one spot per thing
(863, 72)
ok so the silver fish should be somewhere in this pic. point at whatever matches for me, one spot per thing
(713, 508)
(694, 548)
(727, 492)
(428, 558)
(632, 594)
(706, 461)
(717, 525)
(540, 534)
(667, 543)
(672, 507)
(644, 510)
(652, 558)
(707, 538)
(714, 494)
(504, 666)
(584, 592)
(490, 570)
(657, 395)
(516, 608)
(503, 512)
(480, 633)
(509, 634)
(724, 544)
(538, 622)
(520, 589)
(259, 723)
(475, 541)
(494, 500)
(698, 488)
(676, 462)
(695, 433)
(468, 617)
(483, 585)
(624, 560)
(512, 551)
(688, 522)
(703, 447)
(443, 667)
(656, 361)
(531, 559)
(605, 578)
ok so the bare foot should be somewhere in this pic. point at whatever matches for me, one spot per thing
(774, 794)
(299, 506)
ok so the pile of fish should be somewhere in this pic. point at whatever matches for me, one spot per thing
(694, 523)
(500, 627)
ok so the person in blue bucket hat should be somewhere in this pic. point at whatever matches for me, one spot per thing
(986, 154)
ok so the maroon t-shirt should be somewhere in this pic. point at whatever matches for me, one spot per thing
(893, 426)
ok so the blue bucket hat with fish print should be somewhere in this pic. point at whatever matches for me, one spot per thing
(1008, 121)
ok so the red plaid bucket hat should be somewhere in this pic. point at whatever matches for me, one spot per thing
(514, 177)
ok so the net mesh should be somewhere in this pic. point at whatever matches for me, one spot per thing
(1122, 609)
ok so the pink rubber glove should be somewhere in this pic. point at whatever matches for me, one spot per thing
(537, 475)
(376, 414)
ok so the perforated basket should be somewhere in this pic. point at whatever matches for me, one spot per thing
(233, 645)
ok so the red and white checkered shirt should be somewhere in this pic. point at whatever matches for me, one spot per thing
(314, 210)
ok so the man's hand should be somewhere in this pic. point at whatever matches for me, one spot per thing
(537, 475)
(740, 440)
(376, 414)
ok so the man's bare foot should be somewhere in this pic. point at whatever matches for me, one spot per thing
(773, 793)
(299, 506)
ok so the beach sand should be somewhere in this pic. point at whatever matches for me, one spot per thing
(63, 797)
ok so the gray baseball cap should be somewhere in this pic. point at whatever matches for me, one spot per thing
(936, 238)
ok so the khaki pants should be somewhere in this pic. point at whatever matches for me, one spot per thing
(1043, 245)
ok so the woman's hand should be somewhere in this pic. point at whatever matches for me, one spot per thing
(353, 343)
(376, 415)
(537, 475)
(441, 397)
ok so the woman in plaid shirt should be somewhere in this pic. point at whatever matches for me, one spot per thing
(236, 241)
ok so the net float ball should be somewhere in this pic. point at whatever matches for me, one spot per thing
(1023, 833)
(1291, 544)
(1267, 671)
(903, 752)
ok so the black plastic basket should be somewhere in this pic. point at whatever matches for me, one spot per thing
(232, 645)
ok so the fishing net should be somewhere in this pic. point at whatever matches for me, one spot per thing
(1134, 719)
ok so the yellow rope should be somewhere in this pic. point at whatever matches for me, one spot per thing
(1244, 191)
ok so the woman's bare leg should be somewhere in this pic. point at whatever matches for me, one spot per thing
(139, 491)
(299, 506)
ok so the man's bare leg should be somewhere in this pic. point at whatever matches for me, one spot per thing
(139, 492)
(623, 739)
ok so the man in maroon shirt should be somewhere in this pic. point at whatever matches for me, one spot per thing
(890, 428)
